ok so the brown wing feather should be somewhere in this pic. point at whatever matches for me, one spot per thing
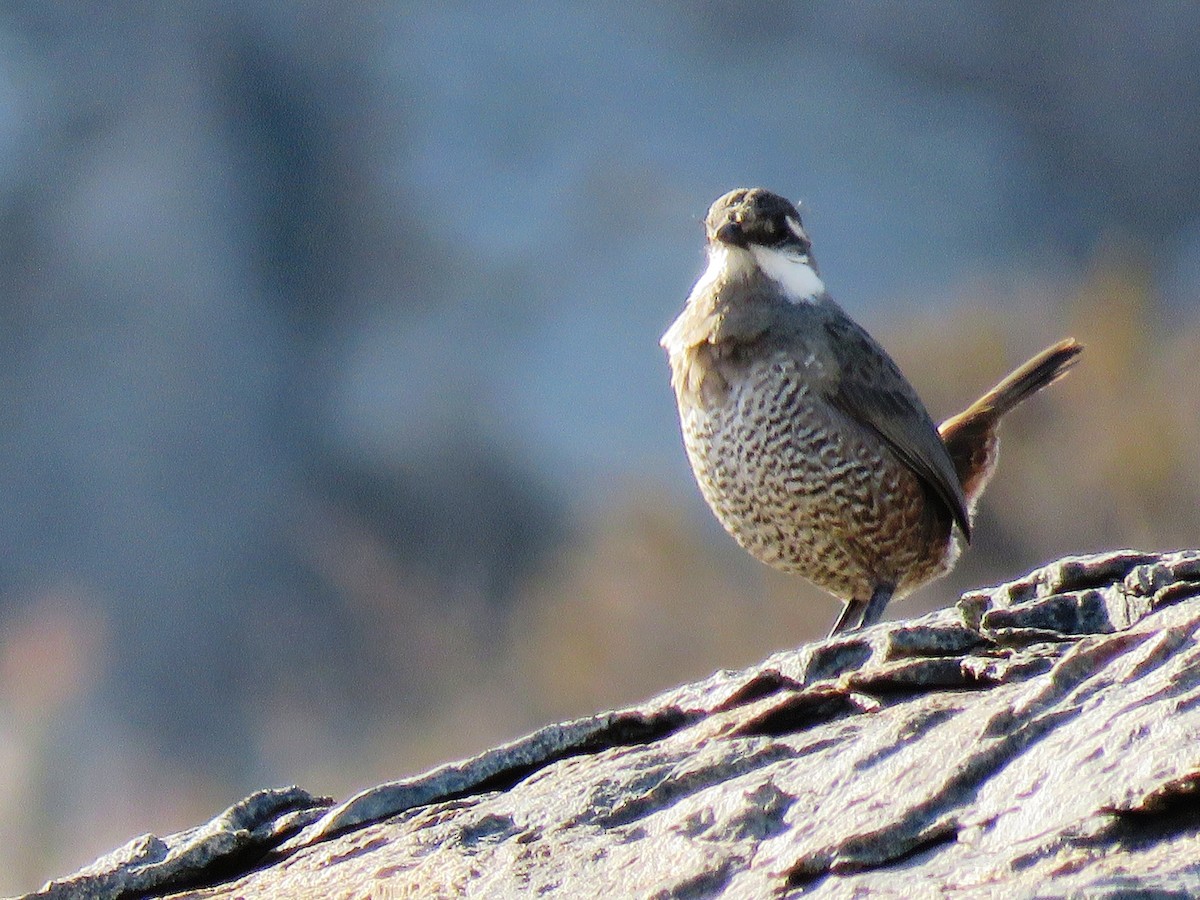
(872, 391)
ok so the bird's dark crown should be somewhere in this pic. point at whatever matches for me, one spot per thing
(748, 216)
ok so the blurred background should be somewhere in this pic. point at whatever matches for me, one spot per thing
(335, 438)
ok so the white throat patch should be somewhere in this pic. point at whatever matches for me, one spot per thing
(792, 273)
(725, 263)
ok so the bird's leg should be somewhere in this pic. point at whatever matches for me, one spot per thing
(858, 614)
(850, 617)
(876, 605)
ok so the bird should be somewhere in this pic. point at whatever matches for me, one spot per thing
(807, 442)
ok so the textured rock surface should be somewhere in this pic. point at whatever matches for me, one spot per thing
(1041, 740)
(239, 836)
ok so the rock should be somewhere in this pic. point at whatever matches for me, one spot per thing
(148, 864)
(1042, 739)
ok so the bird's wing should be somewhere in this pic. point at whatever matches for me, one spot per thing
(870, 389)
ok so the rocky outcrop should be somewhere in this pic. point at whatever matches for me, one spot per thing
(1041, 739)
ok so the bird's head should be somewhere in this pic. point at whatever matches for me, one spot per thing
(751, 217)
(752, 229)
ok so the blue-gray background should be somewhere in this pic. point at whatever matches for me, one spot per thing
(335, 439)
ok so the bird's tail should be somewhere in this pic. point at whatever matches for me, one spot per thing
(971, 435)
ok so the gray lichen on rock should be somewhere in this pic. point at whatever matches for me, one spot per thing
(1040, 740)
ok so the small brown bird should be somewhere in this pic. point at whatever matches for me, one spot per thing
(811, 447)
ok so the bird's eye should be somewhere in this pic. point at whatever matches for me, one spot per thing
(797, 231)
(778, 231)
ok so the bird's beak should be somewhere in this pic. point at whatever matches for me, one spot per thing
(730, 232)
